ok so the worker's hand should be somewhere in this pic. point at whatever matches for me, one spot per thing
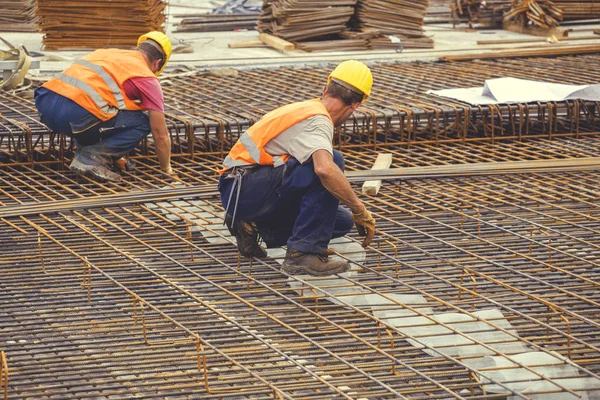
(365, 224)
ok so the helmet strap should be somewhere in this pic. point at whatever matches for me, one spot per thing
(348, 86)
(157, 46)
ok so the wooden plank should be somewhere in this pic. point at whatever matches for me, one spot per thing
(383, 161)
(473, 169)
(246, 44)
(542, 52)
(536, 30)
(275, 42)
(536, 40)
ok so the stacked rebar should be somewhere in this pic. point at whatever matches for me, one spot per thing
(17, 16)
(400, 18)
(487, 13)
(91, 24)
(574, 10)
(305, 19)
(542, 13)
(216, 22)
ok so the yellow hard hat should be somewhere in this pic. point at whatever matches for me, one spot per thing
(355, 74)
(164, 43)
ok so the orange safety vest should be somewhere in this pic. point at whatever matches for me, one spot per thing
(250, 147)
(95, 81)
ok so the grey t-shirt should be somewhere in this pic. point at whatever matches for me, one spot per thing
(303, 139)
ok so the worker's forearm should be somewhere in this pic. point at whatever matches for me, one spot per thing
(163, 150)
(336, 183)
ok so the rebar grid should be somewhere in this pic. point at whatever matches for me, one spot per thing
(107, 302)
(207, 113)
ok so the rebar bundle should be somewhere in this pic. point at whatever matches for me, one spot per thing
(93, 24)
(305, 19)
(574, 10)
(18, 16)
(216, 22)
(403, 19)
(486, 13)
(542, 13)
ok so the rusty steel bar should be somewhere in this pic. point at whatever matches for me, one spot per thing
(150, 298)
(207, 113)
(573, 339)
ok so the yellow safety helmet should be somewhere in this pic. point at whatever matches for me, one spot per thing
(163, 41)
(354, 74)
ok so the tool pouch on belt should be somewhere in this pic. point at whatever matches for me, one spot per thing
(239, 172)
(21, 56)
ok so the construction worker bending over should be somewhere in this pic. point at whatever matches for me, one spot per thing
(101, 101)
(283, 180)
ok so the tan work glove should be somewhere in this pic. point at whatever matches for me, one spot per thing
(365, 224)
(170, 175)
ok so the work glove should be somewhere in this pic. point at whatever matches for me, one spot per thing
(170, 176)
(365, 224)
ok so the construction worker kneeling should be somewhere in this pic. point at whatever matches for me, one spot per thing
(282, 180)
(109, 101)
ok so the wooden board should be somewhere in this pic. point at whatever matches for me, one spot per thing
(246, 44)
(275, 42)
(383, 161)
(536, 30)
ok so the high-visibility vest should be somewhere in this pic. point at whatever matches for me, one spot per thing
(250, 147)
(95, 81)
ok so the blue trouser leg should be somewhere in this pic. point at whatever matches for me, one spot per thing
(96, 141)
(290, 205)
(126, 130)
(317, 214)
(279, 228)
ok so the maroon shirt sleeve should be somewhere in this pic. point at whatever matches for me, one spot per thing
(147, 91)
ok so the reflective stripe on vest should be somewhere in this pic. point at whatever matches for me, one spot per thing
(95, 82)
(110, 82)
(87, 89)
(249, 149)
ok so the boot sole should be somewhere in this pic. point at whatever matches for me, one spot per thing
(292, 270)
(95, 176)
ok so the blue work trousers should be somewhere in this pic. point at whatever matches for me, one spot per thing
(97, 142)
(289, 205)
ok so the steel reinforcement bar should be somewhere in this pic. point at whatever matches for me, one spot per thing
(206, 113)
(151, 300)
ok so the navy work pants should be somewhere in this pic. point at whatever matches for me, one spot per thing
(289, 205)
(97, 142)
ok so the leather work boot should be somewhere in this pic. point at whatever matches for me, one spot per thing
(297, 262)
(97, 172)
(246, 236)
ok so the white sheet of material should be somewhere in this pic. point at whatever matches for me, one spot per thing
(201, 217)
(514, 90)
(524, 381)
(453, 344)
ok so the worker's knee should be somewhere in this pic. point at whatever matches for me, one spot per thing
(338, 159)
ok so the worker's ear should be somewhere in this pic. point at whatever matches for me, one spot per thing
(156, 65)
(323, 91)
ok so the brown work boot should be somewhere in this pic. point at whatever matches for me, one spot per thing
(97, 172)
(246, 236)
(315, 264)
